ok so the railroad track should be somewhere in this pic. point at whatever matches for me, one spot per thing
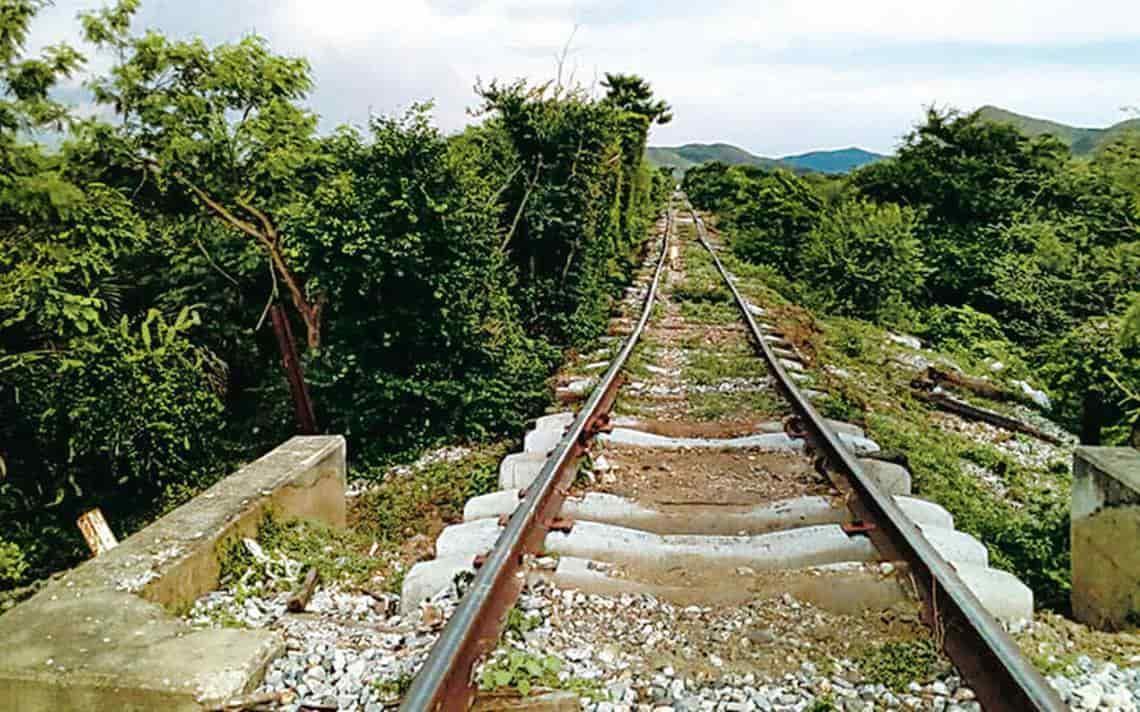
(716, 510)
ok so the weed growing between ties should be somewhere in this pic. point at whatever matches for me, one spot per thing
(392, 690)
(898, 663)
(514, 669)
(735, 405)
(823, 704)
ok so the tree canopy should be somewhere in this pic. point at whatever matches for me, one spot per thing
(433, 279)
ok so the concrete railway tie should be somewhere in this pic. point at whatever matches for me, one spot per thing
(802, 538)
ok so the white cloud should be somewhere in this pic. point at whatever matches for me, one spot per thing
(735, 70)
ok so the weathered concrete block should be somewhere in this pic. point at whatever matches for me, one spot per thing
(102, 636)
(1105, 528)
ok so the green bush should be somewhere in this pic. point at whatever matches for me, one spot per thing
(562, 218)
(110, 422)
(421, 336)
(771, 224)
(12, 563)
(865, 260)
(959, 327)
(1092, 366)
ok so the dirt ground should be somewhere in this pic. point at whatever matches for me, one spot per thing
(666, 477)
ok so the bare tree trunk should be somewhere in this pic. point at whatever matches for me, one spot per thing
(1092, 417)
(302, 404)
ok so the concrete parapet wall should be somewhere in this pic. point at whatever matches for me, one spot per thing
(1105, 529)
(102, 636)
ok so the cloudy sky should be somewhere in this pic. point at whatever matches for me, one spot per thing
(773, 76)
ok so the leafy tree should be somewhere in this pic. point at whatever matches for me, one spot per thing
(222, 125)
(26, 82)
(1031, 283)
(633, 94)
(710, 186)
(772, 223)
(1118, 161)
(564, 205)
(639, 109)
(975, 179)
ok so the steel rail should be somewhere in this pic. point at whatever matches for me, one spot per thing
(984, 653)
(445, 681)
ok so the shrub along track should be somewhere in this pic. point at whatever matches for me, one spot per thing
(711, 524)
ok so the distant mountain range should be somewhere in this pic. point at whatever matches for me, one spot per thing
(681, 158)
(1082, 141)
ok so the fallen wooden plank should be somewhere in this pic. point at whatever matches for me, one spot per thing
(973, 412)
(979, 386)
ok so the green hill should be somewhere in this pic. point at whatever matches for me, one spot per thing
(681, 158)
(685, 157)
(843, 160)
(1082, 141)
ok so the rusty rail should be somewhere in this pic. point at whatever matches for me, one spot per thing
(977, 644)
(445, 682)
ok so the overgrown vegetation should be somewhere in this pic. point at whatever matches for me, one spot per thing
(520, 670)
(432, 280)
(1011, 259)
(897, 664)
(337, 554)
(404, 505)
(975, 237)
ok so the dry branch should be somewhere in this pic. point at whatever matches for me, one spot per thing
(978, 386)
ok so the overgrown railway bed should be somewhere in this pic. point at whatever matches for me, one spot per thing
(696, 536)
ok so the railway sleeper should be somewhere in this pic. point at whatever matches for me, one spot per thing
(520, 469)
(857, 444)
(848, 587)
(843, 587)
(786, 549)
(714, 519)
(549, 429)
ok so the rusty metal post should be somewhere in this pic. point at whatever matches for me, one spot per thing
(302, 405)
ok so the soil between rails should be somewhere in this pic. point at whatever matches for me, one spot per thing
(720, 477)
